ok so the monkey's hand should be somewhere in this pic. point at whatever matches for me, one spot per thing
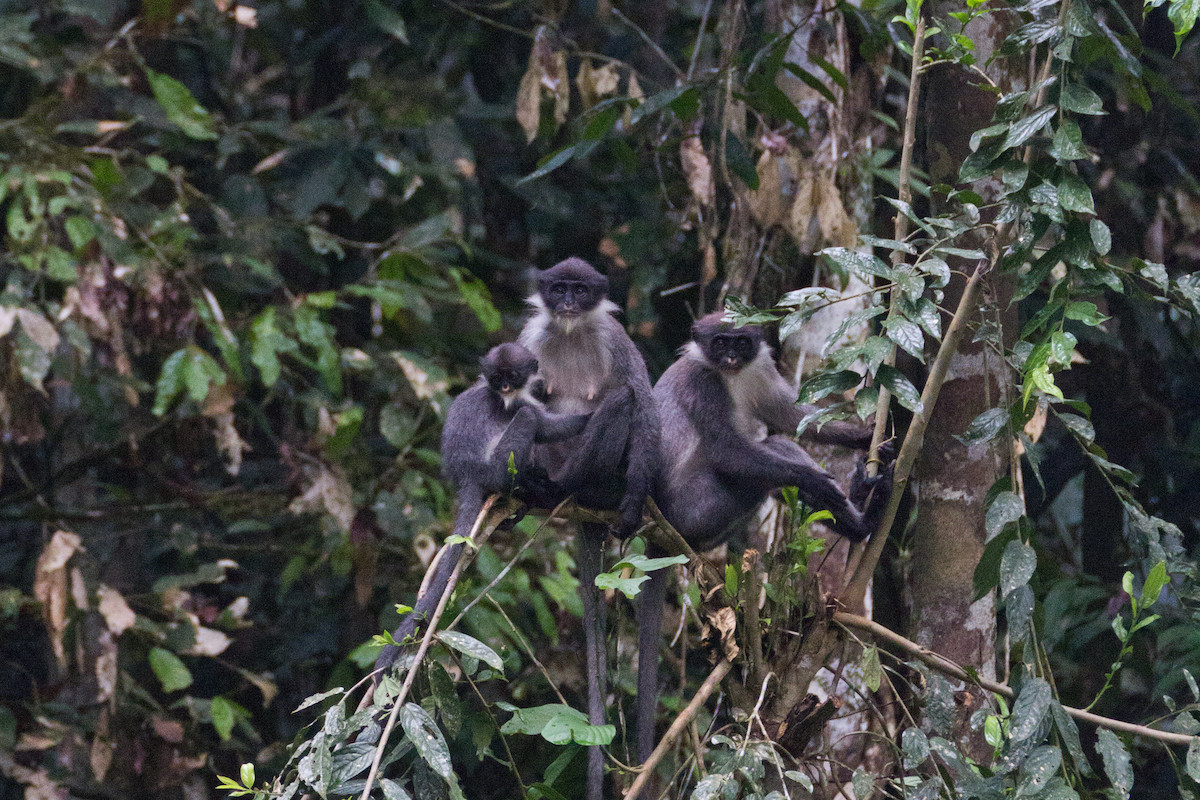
(535, 488)
(866, 490)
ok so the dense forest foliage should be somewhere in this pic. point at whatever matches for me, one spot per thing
(251, 252)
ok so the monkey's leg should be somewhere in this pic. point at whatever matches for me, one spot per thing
(816, 487)
(602, 444)
(589, 556)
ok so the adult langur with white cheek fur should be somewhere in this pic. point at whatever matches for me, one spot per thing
(727, 415)
(589, 364)
(489, 428)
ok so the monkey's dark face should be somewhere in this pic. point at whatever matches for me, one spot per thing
(508, 367)
(729, 352)
(572, 288)
(570, 298)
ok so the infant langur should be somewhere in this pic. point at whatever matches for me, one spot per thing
(487, 445)
(727, 418)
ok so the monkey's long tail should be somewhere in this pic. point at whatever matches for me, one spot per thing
(470, 503)
(650, 610)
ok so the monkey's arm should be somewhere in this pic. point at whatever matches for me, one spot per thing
(556, 427)
(779, 409)
(645, 435)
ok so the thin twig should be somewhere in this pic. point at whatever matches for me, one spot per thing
(430, 632)
(679, 725)
(904, 195)
(646, 38)
(948, 667)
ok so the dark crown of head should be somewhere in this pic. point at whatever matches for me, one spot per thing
(510, 355)
(712, 324)
(574, 269)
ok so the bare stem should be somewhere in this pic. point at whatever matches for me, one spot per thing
(679, 725)
(430, 632)
(900, 231)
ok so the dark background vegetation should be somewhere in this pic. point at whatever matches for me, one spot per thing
(231, 332)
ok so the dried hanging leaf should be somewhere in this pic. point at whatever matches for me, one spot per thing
(106, 666)
(330, 493)
(118, 616)
(772, 200)
(38, 328)
(799, 222)
(837, 229)
(529, 96)
(698, 170)
(634, 92)
(209, 642)
(1037, 423)
(555, 79)
(50, 586)
(230, 444)
(102, 750)
(708, 265)
(606, 79)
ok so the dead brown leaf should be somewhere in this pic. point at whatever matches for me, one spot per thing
(698, 170)
(50, 586)
(118, 616)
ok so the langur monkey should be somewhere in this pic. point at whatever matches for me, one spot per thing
(487, 448)
(727, 415)
(590, 364)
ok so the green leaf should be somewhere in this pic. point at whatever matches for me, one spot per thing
(386, 20)
(469, 645)
(630, 587)
(223, 718)
(1030, 707)
(1067, 144)
(1062, 345)
(1084, 312)
(1017, 566)
(1101, 236)
(739, 161)
(1118, 766)
(247, 774)
(872, 670)
(812, 81)
(985, 427)
(181, 107)
(826, 383)
(557, 724)
(427, 738)
(172, 673)
(549, 165)
(1155, 581)
(987, 571)
(1182, 14)
(170, 381)
(895, 382)
(646, 564)
(1193, 760)
(393, 790)
(1022, 130)
(80, 230)
(1080, 99)
(477, 297)
(906, 334)
(266, 342)
(1074, 195)
(863, 264)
